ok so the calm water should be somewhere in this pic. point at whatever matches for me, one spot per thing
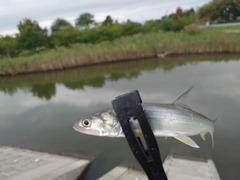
(38, 111)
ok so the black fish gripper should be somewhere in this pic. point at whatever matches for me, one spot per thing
(128, 107)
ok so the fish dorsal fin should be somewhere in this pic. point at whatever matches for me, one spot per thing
(214, 120)
(182, 100)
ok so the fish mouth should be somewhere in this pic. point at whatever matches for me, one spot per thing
(75, 128)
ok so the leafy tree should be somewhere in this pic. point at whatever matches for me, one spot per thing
(237, 5)
(109, 32)
(131, 28)
(108, 21)
(30, 35)
(190, 12)
(151, 26)
(59, 24)
(47, 39)
(177, 20)
(89, 35)
(45, 32)
(8, 46)
(171, 24)
(204, 13)
(179, 12)
(84, 21)
(65, 36)
(219, 10)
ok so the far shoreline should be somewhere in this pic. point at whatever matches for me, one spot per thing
(115, 62)
(129, 48)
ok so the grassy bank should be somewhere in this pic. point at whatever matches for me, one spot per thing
(125, 48)
(226, 28)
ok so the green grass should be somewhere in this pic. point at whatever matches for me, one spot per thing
(125, 48)
(226, 28)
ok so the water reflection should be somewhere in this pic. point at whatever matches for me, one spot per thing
(43, 91)
(38, 111)
(44, 85)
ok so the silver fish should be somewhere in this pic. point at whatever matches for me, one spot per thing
(176, 120)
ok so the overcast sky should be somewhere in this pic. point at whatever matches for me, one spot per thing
(46, 11)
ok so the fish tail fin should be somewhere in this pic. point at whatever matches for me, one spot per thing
(212, 139)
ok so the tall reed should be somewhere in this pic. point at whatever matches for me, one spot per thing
(125, 48)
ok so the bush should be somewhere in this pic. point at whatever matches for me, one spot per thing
(192, 29)
(130, 28)
(175, 24)
(8, 46)
(30, 36)
(65, 36)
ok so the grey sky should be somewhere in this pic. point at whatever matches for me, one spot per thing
(46, 11)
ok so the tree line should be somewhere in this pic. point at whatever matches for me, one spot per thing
(33, 39)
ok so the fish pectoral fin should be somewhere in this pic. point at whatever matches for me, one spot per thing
(187, 140)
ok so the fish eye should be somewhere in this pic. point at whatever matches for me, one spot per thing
(86, 123)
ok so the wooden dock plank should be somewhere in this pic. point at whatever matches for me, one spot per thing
(114, 173)
(123, 173)
(24, 164)
(131, 174)
(181, 168)
(176, 168)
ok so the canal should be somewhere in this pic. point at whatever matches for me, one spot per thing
(37, 111)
